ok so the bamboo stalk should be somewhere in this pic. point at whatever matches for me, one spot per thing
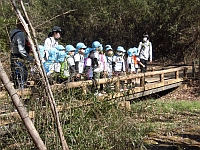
(47, 86)
(21, 110)
(41, 71)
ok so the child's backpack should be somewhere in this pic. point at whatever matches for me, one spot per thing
(61, 56)
(49, 67)
(64, 70)
(60, 53)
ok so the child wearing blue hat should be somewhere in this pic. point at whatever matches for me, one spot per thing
(119, 64)
(79, 60)
(109, 58)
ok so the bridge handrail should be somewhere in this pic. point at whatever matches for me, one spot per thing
(121, 78)
(4, 118)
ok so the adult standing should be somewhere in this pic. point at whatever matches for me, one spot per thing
(51, 41)
(20, 50)
(145, 52)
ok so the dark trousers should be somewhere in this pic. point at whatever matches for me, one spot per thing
(144, 62)
(19, 72)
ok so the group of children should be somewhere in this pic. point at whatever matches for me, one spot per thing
(69, 64)
(76, 64)
(85, 63)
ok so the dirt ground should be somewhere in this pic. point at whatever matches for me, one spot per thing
(190, 90)
(187, 136)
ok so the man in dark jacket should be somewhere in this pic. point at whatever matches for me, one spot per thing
(19, 56)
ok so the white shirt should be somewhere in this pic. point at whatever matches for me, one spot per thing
(79, 58)
(97, 68)
(88, 62)
(49, 43)
(145, 50)
(109, 64)
(119, 63)
(70, 61)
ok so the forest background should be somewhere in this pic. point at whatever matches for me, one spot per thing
(173, 25)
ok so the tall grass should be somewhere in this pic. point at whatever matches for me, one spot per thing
(101, 125)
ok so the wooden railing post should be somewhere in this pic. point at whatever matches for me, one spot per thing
(117, 86)
(176, 74)
(193, 68)
(142, 82)
(162, 77)
(152, 70)
(185, 73)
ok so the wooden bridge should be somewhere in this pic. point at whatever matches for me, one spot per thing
(147, 84)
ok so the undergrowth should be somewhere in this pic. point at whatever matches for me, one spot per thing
(101, 124)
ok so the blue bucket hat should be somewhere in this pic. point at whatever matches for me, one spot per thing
(59, 47)
(135, 50)
(130, 52)
(96, 44)
(101, 47)
(108, 47)
(121, 49)
(80, 45)
(41, 50)
(87, 51)
(70, 48)
(41, 47)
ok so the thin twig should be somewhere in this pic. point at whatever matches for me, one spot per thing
(54, 18)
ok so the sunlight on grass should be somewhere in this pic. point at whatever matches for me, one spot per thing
(166, 106)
